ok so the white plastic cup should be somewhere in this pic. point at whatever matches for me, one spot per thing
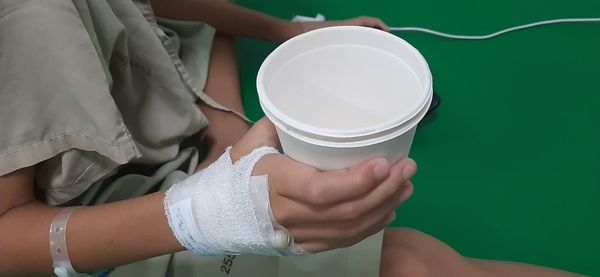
(341, 95)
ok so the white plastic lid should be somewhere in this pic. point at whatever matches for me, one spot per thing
(343, 83)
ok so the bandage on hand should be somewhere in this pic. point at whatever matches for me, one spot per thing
(224, 210)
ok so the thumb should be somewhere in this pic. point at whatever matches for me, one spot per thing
(262, 133)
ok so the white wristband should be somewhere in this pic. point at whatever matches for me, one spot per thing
(58, 244)
(223, 209)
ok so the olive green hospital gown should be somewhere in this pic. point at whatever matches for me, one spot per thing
(90, 95)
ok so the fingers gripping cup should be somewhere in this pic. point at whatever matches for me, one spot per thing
(341, 95)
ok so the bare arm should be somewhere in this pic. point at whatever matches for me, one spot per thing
(98, 237)
(226, 17)
(334, 209)
(231, 19)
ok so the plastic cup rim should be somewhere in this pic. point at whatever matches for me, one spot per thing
(276, 115)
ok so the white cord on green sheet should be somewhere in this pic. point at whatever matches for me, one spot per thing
(321, 17)
(495, 34)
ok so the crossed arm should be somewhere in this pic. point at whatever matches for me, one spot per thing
(319, 216)
(241, 21)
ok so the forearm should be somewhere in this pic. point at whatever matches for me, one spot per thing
(98, 237)
(228, 18)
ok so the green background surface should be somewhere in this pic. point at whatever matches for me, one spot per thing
(509, 166)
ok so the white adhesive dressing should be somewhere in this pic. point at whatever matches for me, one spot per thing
(224, 210)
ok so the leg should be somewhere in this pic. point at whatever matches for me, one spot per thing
(222, 85)
(409, 252)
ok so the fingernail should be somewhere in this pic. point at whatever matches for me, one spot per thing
(410, 168)
(392, 218)
(405, 195)
(381, 170)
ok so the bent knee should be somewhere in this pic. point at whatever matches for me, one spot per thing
(399, 261)
(413, 253)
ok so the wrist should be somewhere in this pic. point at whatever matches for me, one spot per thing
(286, 30)
(223, 210)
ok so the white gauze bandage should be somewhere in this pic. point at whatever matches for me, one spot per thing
(223, 209)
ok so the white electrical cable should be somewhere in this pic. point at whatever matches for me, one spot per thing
(492, 35)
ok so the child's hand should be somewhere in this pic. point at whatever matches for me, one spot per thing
(295, 28)
(328, 209)
(367, 21)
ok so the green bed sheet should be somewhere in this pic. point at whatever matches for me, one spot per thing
(509, 166)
